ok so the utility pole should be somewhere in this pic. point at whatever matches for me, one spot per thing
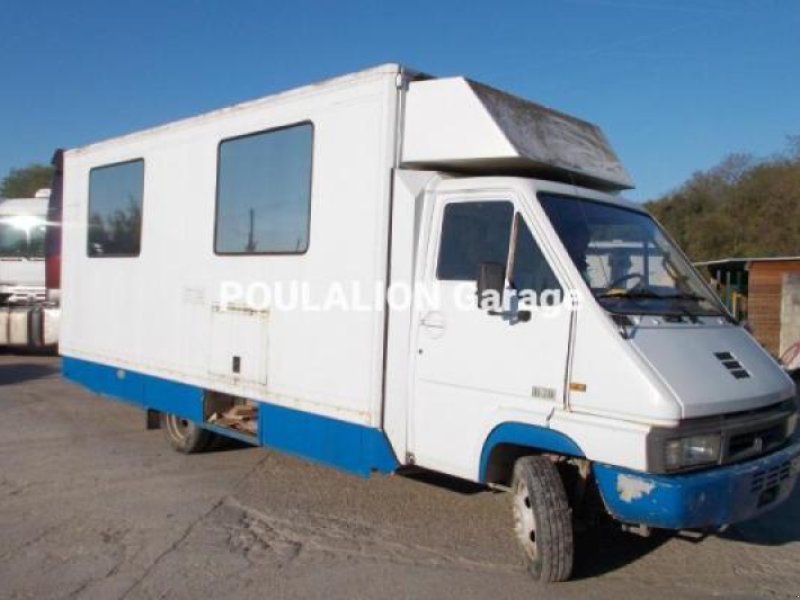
(251, 241)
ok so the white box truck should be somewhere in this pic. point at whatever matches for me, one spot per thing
(27, 319)
(389, 270)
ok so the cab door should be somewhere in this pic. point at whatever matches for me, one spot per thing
(474, 368)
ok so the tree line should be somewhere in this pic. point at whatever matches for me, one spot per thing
(24, 182)
(743, 207)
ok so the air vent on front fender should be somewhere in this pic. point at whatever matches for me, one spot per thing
(736, 368)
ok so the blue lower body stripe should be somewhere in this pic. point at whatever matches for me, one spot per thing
(347, 446)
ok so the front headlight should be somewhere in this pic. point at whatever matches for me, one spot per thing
(692, 451)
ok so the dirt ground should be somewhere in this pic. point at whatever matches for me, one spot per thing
(94, 506)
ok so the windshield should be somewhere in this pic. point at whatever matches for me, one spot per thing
(22, 236)
(628, 262)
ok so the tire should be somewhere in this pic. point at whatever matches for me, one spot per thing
(184, 436)
(542, 519)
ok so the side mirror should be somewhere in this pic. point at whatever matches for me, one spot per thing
(491, 285)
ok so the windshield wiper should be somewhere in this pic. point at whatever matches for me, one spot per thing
(685, 296)
(645, 294)
(635, 293)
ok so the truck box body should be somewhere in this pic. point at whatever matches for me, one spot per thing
(180, 294)
(177, 328)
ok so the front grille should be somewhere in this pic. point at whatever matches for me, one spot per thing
(748, 435)
(756, 442)
(769, 478)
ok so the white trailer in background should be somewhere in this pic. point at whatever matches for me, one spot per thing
(228, 272)
(27, 319)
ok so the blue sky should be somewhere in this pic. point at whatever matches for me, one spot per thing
(676, 84)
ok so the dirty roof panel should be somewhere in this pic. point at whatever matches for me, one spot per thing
(461, 125)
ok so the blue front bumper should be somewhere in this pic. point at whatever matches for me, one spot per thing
(710, 498)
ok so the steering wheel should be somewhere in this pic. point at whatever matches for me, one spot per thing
(614, 284)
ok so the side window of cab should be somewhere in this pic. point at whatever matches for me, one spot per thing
(530, 273)
(491, 231)
(473, 233)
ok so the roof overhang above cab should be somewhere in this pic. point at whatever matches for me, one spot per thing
(455, 124)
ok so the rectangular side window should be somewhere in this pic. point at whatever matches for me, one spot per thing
(264, 192)
(473, 233)
(531, 271)
(115, 209)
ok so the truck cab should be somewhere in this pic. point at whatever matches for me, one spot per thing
(27, 320)
(602, 348)
(23, 222)
(604, 351)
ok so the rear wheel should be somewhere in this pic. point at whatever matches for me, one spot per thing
(542, 519)
(184, 436)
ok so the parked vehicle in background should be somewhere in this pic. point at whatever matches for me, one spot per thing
(608, 376)
(27, 318)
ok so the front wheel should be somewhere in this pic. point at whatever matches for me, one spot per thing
(184, 436)
(542, 519)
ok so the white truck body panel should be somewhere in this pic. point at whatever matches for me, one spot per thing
(329, 363)
(717, 390)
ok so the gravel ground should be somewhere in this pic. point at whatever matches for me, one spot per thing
(94, 506)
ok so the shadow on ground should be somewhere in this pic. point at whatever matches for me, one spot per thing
(227, 444)
(454, 484)
(605, 548)
(11, 374)
(776, 528)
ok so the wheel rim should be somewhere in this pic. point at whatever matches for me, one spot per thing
(525, 520)
(178, 428)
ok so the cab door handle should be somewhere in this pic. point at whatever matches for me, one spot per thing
(433, 320)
